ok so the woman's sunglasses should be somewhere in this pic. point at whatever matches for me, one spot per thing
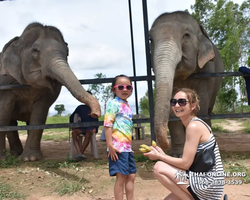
(181, 102)
(122, 87)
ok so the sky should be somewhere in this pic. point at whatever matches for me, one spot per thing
(97, 33)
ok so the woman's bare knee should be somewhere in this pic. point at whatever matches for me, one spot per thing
(159, 168)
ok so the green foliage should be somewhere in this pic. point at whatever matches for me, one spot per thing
(60, 109)
(141, 158)
(6, 192)
(10, 161)
(217, 128)
(202, 10)
(246, 125)
(102, 92)
(144, 102)
(96, 89)
(228, 25)
(248, 60)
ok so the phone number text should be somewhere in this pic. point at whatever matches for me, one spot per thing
(221, 182)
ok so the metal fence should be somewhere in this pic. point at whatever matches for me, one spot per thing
(109, 80)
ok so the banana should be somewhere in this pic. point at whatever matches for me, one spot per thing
(143, 150)
(145, 147)
(153, 143)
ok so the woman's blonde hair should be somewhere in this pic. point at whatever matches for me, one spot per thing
(192, 97)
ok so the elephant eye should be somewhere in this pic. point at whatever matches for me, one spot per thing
(35, 50)
(186, 35)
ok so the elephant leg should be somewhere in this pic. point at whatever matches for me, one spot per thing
(5, 116)
(16, 146)
(177, 133)
(2, 145)
(32, 149)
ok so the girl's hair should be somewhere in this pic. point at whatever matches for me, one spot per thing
(115, 79)
(192, 97)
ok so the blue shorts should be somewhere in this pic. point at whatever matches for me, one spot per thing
(124, 165)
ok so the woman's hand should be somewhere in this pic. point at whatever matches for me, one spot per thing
(112, 153)
(155, 153)
(159, 149)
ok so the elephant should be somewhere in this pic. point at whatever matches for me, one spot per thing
(38, 59)
(181, 47)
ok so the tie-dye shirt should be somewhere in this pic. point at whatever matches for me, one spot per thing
(119, 117)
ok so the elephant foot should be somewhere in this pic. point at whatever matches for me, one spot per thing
(16, 151)
(31, 155)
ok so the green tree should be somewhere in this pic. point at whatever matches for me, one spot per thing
(248, 60)
(60, 109)
(228, 26)
(144, 102)
(107, 95)
(102, 92)
(202, 10)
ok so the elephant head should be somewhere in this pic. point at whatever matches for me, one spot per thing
(39, 58)
(179, 47)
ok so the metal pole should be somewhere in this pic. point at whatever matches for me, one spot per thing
(150, 87)
(133, 55)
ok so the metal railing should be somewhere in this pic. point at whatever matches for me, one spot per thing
(109, 80)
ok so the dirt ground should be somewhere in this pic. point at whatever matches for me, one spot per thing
(36, 183)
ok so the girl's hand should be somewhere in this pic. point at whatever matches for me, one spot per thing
(112, 153)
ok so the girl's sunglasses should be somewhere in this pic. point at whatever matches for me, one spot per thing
(122, 87)
(181, 102)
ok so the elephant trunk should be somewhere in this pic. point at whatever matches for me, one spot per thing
(61, 72)
(166, 57)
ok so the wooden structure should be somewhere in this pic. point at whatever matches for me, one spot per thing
(138, 127)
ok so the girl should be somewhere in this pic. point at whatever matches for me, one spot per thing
(174, 173)
(118, 127)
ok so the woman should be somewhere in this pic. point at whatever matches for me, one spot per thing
(174, 173)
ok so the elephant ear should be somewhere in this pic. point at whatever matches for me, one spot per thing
(206, 50)
(11, 61)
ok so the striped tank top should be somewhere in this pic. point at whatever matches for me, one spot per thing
(208, 185)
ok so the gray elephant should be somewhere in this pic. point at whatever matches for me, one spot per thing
(37, 58)
(180, 47)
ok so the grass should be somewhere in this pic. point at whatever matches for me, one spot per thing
(10, 161)
(246, 124)
(67, 187)
(59, 135)
(234, 163)
(6, 192)
(218, 128)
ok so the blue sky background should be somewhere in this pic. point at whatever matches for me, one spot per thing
(97, 32)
